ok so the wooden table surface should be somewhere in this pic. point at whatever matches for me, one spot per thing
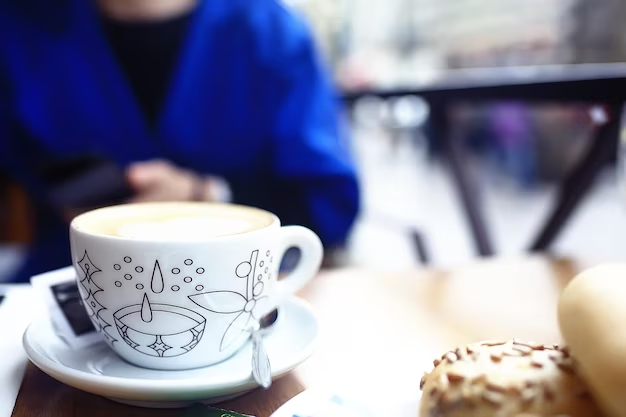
(380, 332)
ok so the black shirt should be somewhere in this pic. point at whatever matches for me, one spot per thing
(148, 54)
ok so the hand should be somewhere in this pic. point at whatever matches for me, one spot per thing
(160, 180)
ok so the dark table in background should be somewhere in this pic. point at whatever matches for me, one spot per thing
(603, 84)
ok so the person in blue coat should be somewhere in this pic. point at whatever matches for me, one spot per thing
(181, 95)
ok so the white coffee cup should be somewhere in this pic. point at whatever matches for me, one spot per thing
(180, 285)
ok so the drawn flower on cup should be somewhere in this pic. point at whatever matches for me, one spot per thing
(249, 308)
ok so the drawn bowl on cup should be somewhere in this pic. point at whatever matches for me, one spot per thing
(160, 330)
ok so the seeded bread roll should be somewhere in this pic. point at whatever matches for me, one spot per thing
(505, 379)
(592, 318)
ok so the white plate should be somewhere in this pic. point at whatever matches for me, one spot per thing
(97, 369)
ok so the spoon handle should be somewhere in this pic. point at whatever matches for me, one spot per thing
(261, 370)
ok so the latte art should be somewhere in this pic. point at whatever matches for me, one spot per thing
(172, 221)
(186, 227)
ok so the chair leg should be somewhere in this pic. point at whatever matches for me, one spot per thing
(579, 181)
(453, 152)
(420, 246)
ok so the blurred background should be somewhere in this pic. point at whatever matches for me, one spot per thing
(403, 43)
(407, 41)
(412, 213)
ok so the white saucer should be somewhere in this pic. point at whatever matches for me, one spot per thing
(97, 369)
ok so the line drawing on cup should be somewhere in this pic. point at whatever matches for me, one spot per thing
(156, 282)
(88, 295)
(161, 330)
(158, 329)
(131, 274)
(249, 305)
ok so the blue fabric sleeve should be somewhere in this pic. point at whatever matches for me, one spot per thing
(310, 137)
(48, 249)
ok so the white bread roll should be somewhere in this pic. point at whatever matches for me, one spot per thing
(592, 318)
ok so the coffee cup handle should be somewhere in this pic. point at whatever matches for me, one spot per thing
(312, 252)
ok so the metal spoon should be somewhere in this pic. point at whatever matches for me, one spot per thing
(261, 369)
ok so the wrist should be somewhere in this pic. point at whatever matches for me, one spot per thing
(211, 189)
(197, 189)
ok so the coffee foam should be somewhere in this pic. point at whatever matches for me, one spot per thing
(180, 228)
(175, 221)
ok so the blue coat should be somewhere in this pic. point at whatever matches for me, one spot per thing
(248, 101)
